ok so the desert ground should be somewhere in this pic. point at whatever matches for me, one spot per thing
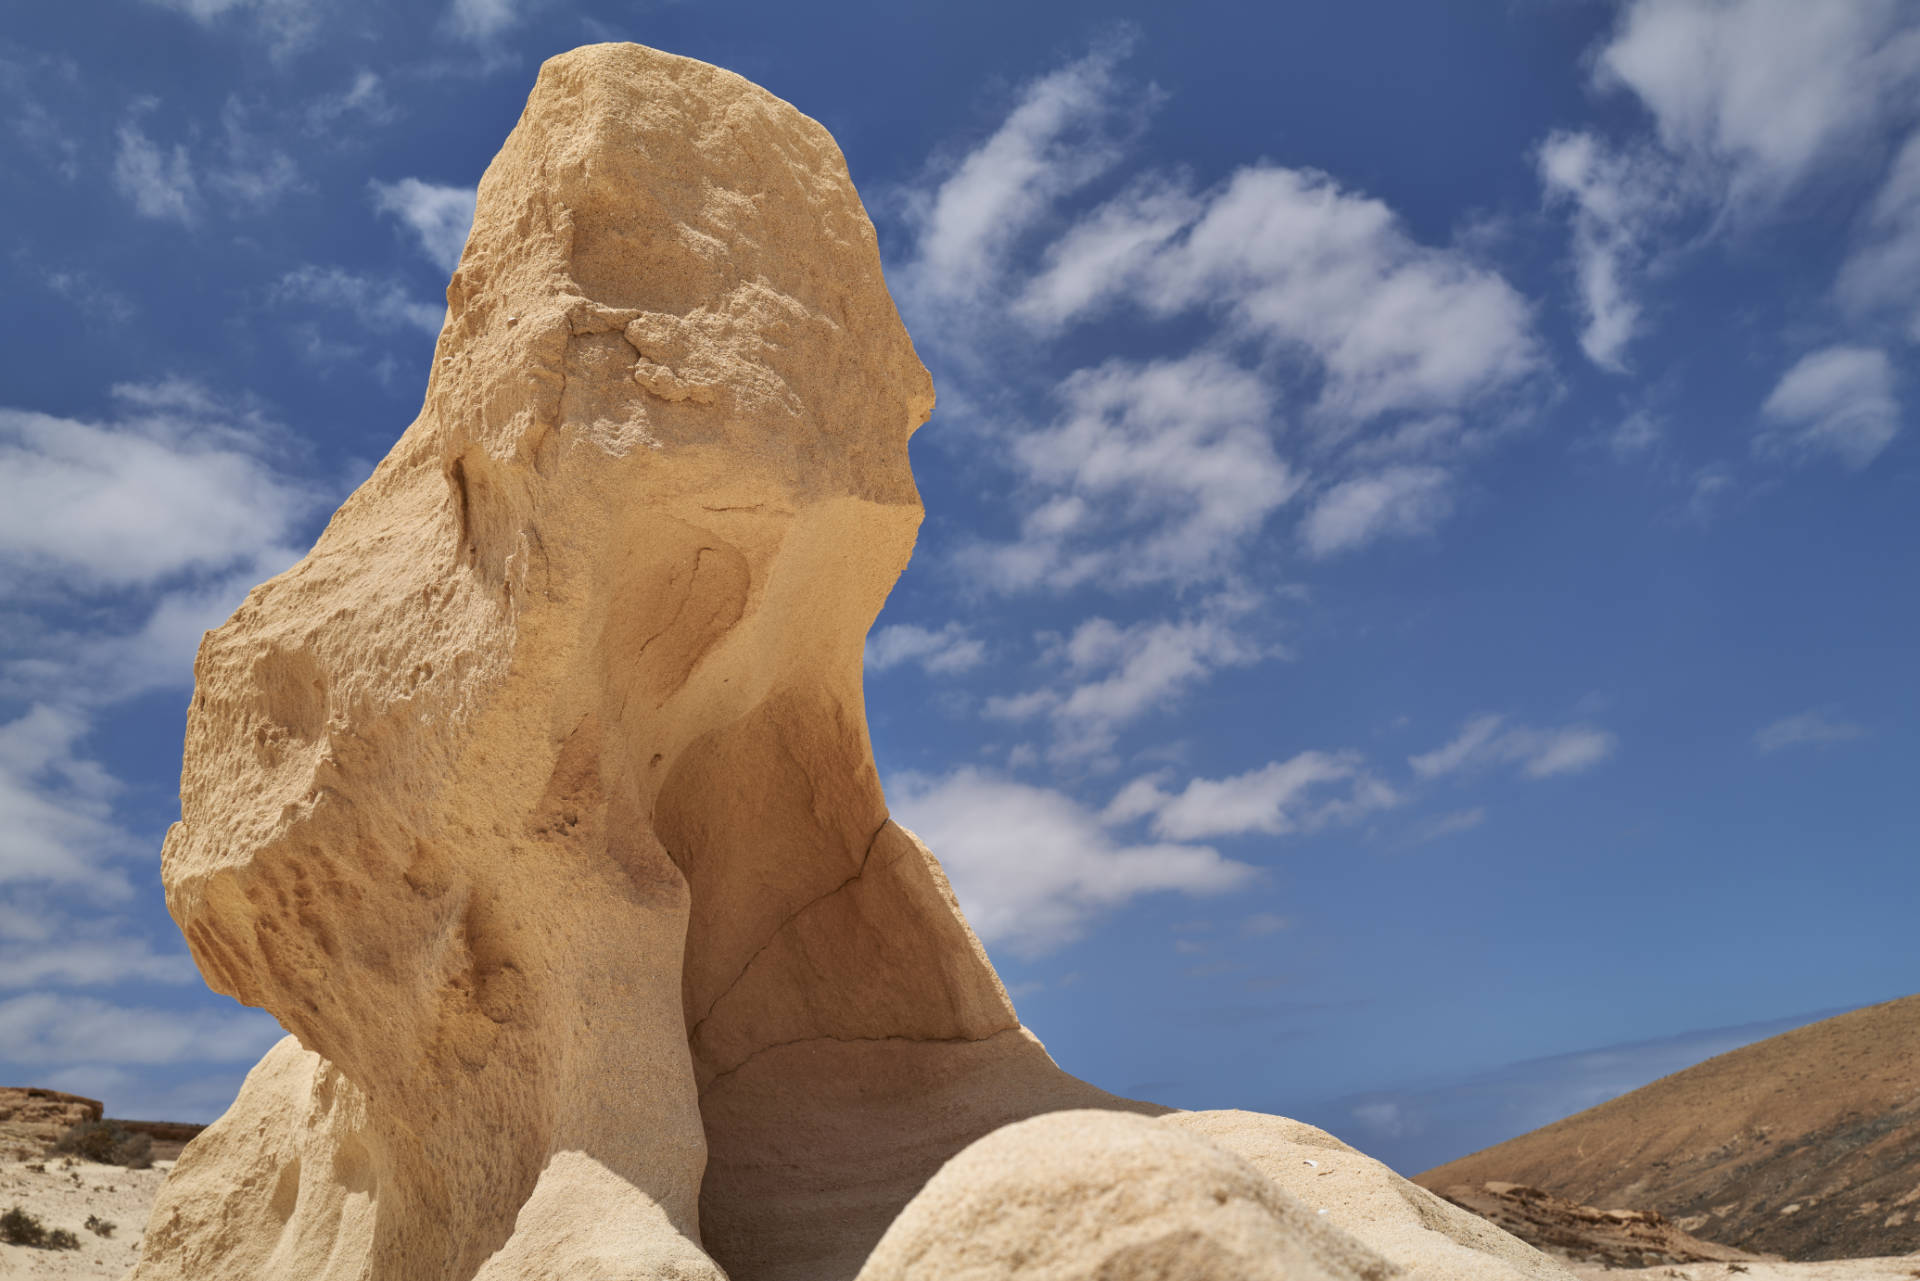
(62, 1194)
(1905, 1266)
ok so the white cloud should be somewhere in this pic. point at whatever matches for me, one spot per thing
(73, 963)
(176, 485)
(1637, 433)
(1155, 471)
(438, 216)
(1055, 140)
(42, 1028)
(1113, 243)
(101, 666)
(941, 653)
(1317, 305)
(381, 305)
(1817, 728)
(1293, 261)
(1033, 868)
(1766, 91)
(56, 807)
(1405, 500)
(159, 182)
(1618, 201)
(169, 184)
(1883, 272)
(1395, 326)
(1838, 400)
(287, 23)
(1486, 741)
(482, 20)
(1277, 799)
(1112, 674)
(1451, 824)
(256, 173)
(366, 97)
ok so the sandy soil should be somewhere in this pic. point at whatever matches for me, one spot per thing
(62, 1197)
(1902, 1268)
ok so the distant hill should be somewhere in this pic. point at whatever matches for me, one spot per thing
(1806, 1145)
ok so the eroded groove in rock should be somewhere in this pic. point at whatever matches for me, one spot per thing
(537, 801)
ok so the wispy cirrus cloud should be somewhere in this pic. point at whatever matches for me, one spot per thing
(1839, 400)
(1816, 727)
(1488, 741)
(437, 215)
(1303, 793)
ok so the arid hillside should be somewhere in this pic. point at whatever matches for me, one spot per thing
(1806, 1145)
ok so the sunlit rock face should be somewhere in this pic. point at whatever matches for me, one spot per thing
(537, 800)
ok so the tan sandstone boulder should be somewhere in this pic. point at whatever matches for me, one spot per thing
(537, 800)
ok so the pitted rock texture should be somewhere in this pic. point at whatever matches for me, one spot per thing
(537, 801)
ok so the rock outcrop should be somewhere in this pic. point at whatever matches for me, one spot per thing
(32, 1119)
(1587, 1234)
(537, 800)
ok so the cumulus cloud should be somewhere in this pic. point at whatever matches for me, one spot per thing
(75, 963)
(1155, 471)
(1488, 741)
(1033, 868)
(56, 807)
(1405, 500)
(40, 1027)
(1766, 91)
(1814, 728)
(1112, 674)
(1296, 260)
(438, 216)
(1838, 400)
(1059, 136)
(1278, 799)
(945, 652)
(1291, 260)
(1319, 310)
(176, 484)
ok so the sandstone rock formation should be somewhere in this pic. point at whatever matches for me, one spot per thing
(537, 801)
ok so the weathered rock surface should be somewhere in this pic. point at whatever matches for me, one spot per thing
(538, 803)
(1113, 1196)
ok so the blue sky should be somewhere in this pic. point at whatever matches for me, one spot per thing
(1418, 586)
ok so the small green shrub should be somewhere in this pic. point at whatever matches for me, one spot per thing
(100, 1227)
(107, 1143)
(61, 1239)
